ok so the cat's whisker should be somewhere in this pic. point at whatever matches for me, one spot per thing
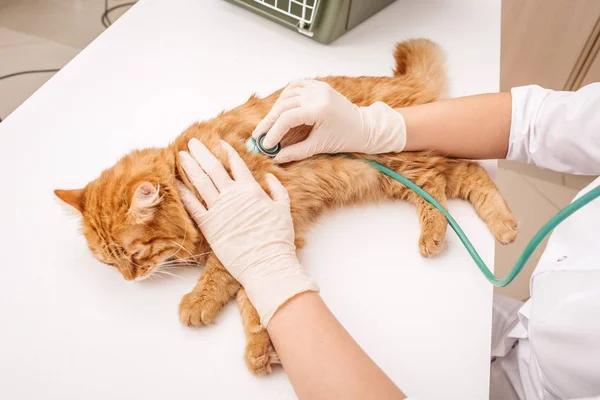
(111, 253)
(195, 255)
(162, 272)
(173, 267)
(176, 265)
(183, 265)
(134, 263)
(179, 262)
(112, 249)
(158, 271)
(180, 246)
(190, 260)
(152, 274)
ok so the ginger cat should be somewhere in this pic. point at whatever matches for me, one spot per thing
(134, 220)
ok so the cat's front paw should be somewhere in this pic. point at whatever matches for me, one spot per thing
(260, 354)
(197, 310)
(432, 244)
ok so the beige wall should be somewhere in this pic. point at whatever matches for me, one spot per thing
(552, 43)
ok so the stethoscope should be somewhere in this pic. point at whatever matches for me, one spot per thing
(256, 147)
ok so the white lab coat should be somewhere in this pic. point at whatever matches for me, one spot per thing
(558, 330)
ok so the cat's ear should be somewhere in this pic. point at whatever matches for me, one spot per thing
(144, 200)
(74, 198)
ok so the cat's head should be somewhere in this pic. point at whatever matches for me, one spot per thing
(132, 216)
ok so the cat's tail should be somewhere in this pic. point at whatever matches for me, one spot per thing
(422, 61)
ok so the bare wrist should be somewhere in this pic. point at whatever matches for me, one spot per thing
(415, 140)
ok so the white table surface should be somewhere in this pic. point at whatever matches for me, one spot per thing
(72, 328)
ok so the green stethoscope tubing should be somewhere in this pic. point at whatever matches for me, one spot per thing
(529, 249)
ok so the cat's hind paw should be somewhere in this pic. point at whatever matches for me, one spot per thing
(260, 354)
(505, 231)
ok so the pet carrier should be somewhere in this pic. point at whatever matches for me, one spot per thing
(322, 20)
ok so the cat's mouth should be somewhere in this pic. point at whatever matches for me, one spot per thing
(147, 275)
(156, 270)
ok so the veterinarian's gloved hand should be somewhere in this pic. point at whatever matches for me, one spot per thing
(339, 126)
(251, 233)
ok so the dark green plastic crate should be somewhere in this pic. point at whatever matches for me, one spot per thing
(322, 20)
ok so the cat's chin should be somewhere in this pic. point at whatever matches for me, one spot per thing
(143, 277)
(154, 270)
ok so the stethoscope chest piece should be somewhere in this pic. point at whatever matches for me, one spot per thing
(256, 146)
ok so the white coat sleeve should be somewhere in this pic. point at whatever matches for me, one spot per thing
(556, 130)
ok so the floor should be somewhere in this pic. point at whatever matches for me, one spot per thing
(41, 34)
(534, 196)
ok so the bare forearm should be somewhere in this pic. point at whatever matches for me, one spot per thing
(475, 127)
(321, 358)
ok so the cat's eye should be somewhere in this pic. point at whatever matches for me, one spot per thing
(135, 254)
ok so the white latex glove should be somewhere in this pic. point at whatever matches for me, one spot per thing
(339, 126)
(252, 234)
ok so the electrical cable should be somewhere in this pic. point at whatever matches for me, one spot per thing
(106, 22)
(34, 71)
